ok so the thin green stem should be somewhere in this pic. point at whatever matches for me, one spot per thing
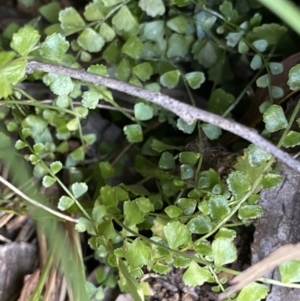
(244, 91)
(217, 280)
(39, 105)
(79, 127)
(61, 185)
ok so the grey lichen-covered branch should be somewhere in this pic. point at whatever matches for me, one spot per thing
(187, 112)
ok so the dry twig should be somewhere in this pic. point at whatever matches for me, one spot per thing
(281, 255)
(187, 112)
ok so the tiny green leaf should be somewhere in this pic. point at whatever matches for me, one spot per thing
(179, 45)
(272, 33)
(264, 106)
(292, 139)
(253, 292)
(256, 62)
(34, 159)
(73, 124)
(36, 124)
(243, 47)
(238, 183)
(276, 68)
(50, 11)
(123, 70)
(6, 57)
(98, 69)
(170, 79)
(219, 101)
(294, 78)
(173, 211)
(90, 99)
(181, 262)
(54, 48)
(185, 127)
(79, 189)
(274, 119)
(138, 254)
(83, 225)
(189, 158)
(106, 32)
(124, 20)
(161, 268)
(218, 206)
(277, 92)
(290, 271)
(20, 144)
(195, 79)
(160, 146)
(59, 84)
(108, 196)
(233, 38)
(144, 204)
(152, 8)
(133, 133)
(206, 20)
(226, 8)
(143, 71)
(85, 56)
(177, 234)
(187, 205)
(211, 131)
(98, 213)
(226, 233)
(24, 40)
(71, 20)
(223, 251)
(48, 181)
(250, 212)
(196, 275)
(178, 24)
(64, 203)
(6, 87)
(12, 73)
(38, 148)
(186, 172)
(257, 155)
(133, 215)
(94, 11)
(107, 171)
(260, 45)
(263, 81)
(271, 180)
(200, 224)
(63, 101)
(154, 30)
(143, 111)
(90, 40)
(166, 161)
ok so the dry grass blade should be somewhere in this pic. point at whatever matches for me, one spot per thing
(283, 254)
(29, 285)
(36, 203)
